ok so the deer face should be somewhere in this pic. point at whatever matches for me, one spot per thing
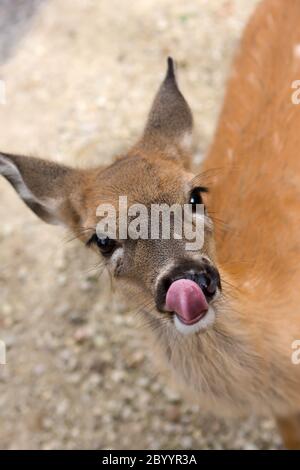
(144, 244)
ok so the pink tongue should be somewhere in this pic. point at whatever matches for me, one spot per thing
(185, 298)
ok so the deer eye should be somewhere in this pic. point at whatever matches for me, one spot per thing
(196, 197)
(105, 244)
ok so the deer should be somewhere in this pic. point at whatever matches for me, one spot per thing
(224, 317)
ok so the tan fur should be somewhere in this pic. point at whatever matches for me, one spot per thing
(243, 362)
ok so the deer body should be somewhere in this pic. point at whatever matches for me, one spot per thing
(238, 298)
(256, 191)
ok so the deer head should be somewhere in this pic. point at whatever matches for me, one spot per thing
(180, 284)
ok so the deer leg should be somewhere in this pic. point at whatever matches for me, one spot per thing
(289, 428)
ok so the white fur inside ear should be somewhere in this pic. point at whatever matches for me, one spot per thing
(201, 325)
(12, 173)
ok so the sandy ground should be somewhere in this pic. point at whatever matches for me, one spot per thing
(79, 78)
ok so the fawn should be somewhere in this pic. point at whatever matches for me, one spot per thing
(225, 317)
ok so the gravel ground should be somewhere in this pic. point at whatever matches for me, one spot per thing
(79, 76)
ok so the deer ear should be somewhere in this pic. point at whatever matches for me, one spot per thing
(44, 186)
(170, 121)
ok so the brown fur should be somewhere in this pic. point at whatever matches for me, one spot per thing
(253, 170)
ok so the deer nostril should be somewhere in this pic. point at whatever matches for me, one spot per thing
(212, 285)
(207, 285)
(203, 281)
(209, 282)
(166, 283)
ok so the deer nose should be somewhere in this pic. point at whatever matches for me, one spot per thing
(206, 276)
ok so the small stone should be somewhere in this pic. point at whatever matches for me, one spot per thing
(187, 442)
(62, 309)
(99, 341)
(135, 359)
(39, 369)
(77, 318)
(6, 309)
(172, 396)
(118, 375)
(62, 279)
(62, 407)
(82, 334)
(173, 413)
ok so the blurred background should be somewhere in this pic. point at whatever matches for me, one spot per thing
(79, 77)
